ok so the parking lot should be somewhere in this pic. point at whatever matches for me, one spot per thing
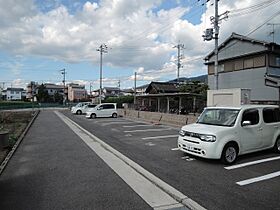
(252, 183)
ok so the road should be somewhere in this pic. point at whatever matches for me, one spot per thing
(67, 163)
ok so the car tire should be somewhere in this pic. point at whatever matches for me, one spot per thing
(277, 145)
(79, 112)
(229, 154)
(93, 116)
(114, 115)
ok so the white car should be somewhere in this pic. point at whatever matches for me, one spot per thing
(103, 110)
(82, 107)
(226, 132)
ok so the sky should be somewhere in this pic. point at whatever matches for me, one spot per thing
(39, 38)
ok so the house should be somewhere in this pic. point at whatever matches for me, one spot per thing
(243, 63)
(11, 94)
(31, 90)
(141, 89)
(107, 92)
(76, 92)
(111, 91)
(52, 89)
(161, 87)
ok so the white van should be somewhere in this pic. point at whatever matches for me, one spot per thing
(226, 132)
(103, 110)
(80, 108)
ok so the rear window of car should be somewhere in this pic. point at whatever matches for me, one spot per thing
(91, 105)
(108, 106)
(271, 115)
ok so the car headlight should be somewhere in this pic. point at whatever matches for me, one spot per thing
(208, 138)
(182, 132)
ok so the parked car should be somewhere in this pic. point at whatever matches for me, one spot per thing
(103, 110)
(226, 132)
(82, 107)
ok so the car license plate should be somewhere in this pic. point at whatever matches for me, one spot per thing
(189, 147)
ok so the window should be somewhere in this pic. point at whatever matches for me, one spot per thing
(238, 65)
(274, 60)
(259, 61)
(211, 69)
(251, 115)
(271, 115)
(248, 63)
(108, 106)
(219, 117)
(229, 66)
(221, 68)
(91, 105)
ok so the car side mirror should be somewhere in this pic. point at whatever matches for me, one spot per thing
(246, 123)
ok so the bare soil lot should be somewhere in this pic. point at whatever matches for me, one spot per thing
(14, 122)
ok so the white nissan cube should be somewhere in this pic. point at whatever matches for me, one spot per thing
(226, 132)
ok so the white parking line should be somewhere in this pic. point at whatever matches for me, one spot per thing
(160, 137)
(154, 191)
(251, 163)
(258, 179)
(113, 123)
(109, 120)
(147, 130)
(175, 149)
(132, 126)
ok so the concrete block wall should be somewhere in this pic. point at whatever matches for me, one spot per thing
(157, 117)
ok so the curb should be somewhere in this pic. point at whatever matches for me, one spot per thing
(174, 193)
(16, 145)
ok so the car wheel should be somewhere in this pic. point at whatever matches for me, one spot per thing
(229, 154)
(114, 115)
(277, 145)
(79, 112)
(93, 115)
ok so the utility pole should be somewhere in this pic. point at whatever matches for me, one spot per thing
(90, 86)
(216, 37)
(208, 36)
(179, 57)
(119, 87)
(135, 76)
(102, 49)
(63, 80)
(273, 31)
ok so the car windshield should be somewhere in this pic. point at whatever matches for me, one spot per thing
(219, 117)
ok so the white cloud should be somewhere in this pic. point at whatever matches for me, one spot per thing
(19, 83)
(138, 38)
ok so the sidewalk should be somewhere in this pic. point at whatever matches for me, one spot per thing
(54, 169)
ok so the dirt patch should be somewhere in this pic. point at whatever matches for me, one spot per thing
(15, 123)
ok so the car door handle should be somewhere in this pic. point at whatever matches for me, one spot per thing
(276, 126)
(260, 129)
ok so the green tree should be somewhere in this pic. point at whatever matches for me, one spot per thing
(120, 100)
(43, 95)
(194, 87)
(58, 98)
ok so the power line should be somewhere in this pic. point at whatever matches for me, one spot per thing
(253, 8)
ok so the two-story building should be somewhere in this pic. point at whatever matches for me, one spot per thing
(243, 63)
(76, 92)
(12, 94)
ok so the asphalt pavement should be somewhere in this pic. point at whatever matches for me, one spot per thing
(208, 182)
(54, 169)
(59, 167)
